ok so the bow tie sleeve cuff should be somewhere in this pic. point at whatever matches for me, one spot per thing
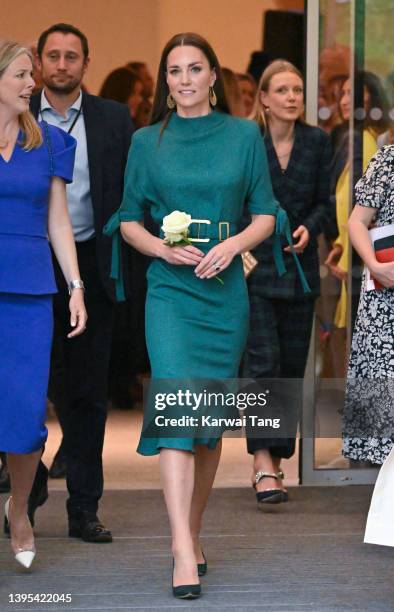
(112, 230)
(282, 228)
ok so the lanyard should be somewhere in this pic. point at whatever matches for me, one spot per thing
(70, 129)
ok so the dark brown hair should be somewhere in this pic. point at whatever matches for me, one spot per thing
(245, 76)
(160, 110)
(233, 92)
(377, 100)
(135, 65)
(63, 28)
(119, 85)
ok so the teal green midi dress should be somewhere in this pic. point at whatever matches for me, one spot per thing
(210, 167)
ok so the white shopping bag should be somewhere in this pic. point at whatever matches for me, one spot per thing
(380, 522)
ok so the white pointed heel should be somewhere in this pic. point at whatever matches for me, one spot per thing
(24, 556)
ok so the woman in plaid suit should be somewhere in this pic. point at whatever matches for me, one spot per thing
(281, 314)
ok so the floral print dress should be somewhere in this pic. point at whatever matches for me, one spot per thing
(369, 406)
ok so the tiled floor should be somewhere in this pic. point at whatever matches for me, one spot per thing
(305, 556)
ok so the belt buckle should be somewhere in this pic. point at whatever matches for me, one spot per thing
(198, 239)
(227, 224)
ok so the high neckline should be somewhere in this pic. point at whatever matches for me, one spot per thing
(194, 126)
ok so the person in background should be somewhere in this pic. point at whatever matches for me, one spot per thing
(125, 86)
(79, 370)
(35, 162)
(145, 108)
(258, 62)
(373, 125)
(128, 354)
(233, 93)
(368, 416)
(143, 72)
(248, 88)
(36, 68)
(330, 93)
(281, 314)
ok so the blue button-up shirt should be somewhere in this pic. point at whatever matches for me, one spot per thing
(78, 192)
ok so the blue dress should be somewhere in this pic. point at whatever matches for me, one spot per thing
(209, 167)
(27, 283)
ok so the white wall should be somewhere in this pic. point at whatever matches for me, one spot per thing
(233, 27)
(124, 30)
(118, 31)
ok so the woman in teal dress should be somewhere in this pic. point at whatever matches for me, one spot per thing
(197, 159)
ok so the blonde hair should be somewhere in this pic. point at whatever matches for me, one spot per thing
(32, 136)
(259, 113)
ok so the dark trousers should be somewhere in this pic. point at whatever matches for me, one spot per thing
(277, 347)
(78, 383)
(128, 352)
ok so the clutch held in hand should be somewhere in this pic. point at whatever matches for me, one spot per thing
(384, 253)
(249, 263)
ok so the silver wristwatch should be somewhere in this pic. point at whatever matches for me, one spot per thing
(75, 284)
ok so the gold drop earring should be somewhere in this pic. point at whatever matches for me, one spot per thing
(170, 101)
(212, 97)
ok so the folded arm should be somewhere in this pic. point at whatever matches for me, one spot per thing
(358, 224)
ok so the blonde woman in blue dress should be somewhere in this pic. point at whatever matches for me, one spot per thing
(35, 162)
(195, 158)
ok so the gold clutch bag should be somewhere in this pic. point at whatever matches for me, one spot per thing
(249, 263)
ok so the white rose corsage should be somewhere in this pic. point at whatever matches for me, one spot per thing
(176, 228)
(176, 231)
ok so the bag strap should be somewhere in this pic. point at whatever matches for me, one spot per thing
(49, 145)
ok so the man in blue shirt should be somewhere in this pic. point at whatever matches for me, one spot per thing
(79, 369)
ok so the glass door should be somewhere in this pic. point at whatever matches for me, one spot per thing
(350, 94)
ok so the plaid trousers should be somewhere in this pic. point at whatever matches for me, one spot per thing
(277, 347)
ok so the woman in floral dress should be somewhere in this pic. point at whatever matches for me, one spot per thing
(368, 418)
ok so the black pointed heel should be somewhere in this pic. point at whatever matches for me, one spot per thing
(202, 568)
(6, 526)
(185, 591)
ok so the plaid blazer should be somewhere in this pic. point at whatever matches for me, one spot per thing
(304, 192)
